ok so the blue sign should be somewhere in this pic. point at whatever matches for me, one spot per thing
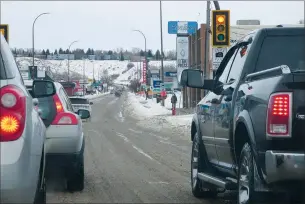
(170, 74)
(156, 83)
(189, 27)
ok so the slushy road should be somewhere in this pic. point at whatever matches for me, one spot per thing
(127, 163)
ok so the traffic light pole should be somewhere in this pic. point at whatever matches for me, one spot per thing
(207, 41)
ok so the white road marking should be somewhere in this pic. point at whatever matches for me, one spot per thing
(135, 131)
(159, 137)
(141, 152)
(122, 136)
(157, 182)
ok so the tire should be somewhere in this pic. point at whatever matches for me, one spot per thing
(246, 176)
(199, 190)
(40, 196)
(76, 180)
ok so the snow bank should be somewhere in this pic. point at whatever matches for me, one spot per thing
(145, 108)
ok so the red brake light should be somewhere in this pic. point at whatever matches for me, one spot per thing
(279, 115)
(65, 119)
(58, 104)
(12, 108)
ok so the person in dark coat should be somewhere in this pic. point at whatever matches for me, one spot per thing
(174, 101)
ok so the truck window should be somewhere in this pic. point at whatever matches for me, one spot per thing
(223, 77)
(282, 50)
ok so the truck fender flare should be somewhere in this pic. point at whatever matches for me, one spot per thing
(196, 122)
(245, 119)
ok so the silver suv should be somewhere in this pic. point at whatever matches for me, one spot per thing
(22, 137)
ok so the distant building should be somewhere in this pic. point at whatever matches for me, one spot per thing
(91, 57)
(107, 57)
(61, 57)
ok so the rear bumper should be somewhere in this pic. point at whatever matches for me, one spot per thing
(284, 166)
(64, 160)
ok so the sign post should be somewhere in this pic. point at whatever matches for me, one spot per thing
(217, 57)
(4, 30)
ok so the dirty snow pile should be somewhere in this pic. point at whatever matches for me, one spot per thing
(152, 115)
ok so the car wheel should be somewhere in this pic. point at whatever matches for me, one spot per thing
(199, 190)
(76, 179)
(246, 176)
(40, 196)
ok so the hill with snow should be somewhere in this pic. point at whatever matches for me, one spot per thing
(113, 67)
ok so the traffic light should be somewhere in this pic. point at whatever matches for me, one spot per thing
(220, 28)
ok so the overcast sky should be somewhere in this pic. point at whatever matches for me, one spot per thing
(108, 24)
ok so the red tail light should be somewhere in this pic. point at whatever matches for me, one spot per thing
(58, 104)
(279, 115)
(65, 119)
(12, 109)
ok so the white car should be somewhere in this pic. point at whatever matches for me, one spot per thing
(22, 137)
(81, 103)
(64, 134)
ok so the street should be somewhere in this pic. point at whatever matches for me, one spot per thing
(128, 163)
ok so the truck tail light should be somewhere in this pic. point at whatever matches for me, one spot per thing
(279, 115)
(13, 111)
(65, 119)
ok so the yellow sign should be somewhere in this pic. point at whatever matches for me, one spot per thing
(90, 80)
(4, 31)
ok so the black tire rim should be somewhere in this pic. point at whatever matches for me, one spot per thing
(244, 180)
(194, 163)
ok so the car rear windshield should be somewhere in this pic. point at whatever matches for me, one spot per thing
(79, 101)
(2, 70)
(282, 50)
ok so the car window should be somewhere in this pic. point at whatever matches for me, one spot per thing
(2, 69)
(48, 109)
(282, 50)
(79, 101)
(8, 64)
(223, 77)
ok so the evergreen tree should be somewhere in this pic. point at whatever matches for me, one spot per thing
(60, 51)
(43, 52)
(110, 52)
(88, 51)
(121, 56)
(55, 52)
(67, 51)
(47, 52)
(149, 53)
(142, 53)
(158, 55)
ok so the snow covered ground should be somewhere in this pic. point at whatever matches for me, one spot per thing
(112, 66)
(152, 115)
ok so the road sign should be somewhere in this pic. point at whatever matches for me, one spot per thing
(5, 31)
(182, 27)
(218, 54)
(170, 74)
(182, 55)
(156, 83)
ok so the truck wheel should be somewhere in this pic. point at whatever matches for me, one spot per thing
(76, 179)
(198, 165)
(246, 176)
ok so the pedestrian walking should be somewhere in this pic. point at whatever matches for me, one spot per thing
(174, 101)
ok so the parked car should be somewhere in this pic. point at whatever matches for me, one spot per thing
(22, 137)
(81, 103)
(65, 138)
(248, 131)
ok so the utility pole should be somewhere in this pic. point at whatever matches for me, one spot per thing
(84, 89)
(162, 67)
(207, 42)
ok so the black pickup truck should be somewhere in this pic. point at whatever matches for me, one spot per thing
(248, 132)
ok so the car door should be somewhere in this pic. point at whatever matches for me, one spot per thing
(205, 111)
(224, 117)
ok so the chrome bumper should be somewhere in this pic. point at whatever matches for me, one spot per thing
(283, 166)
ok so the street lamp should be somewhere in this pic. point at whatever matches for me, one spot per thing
(161, 33)
(69, 59)
(33, 36)
(144, 40)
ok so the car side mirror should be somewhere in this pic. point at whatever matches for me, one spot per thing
(84, 114)
(91, 103)
(43, 88)
(194, 78)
